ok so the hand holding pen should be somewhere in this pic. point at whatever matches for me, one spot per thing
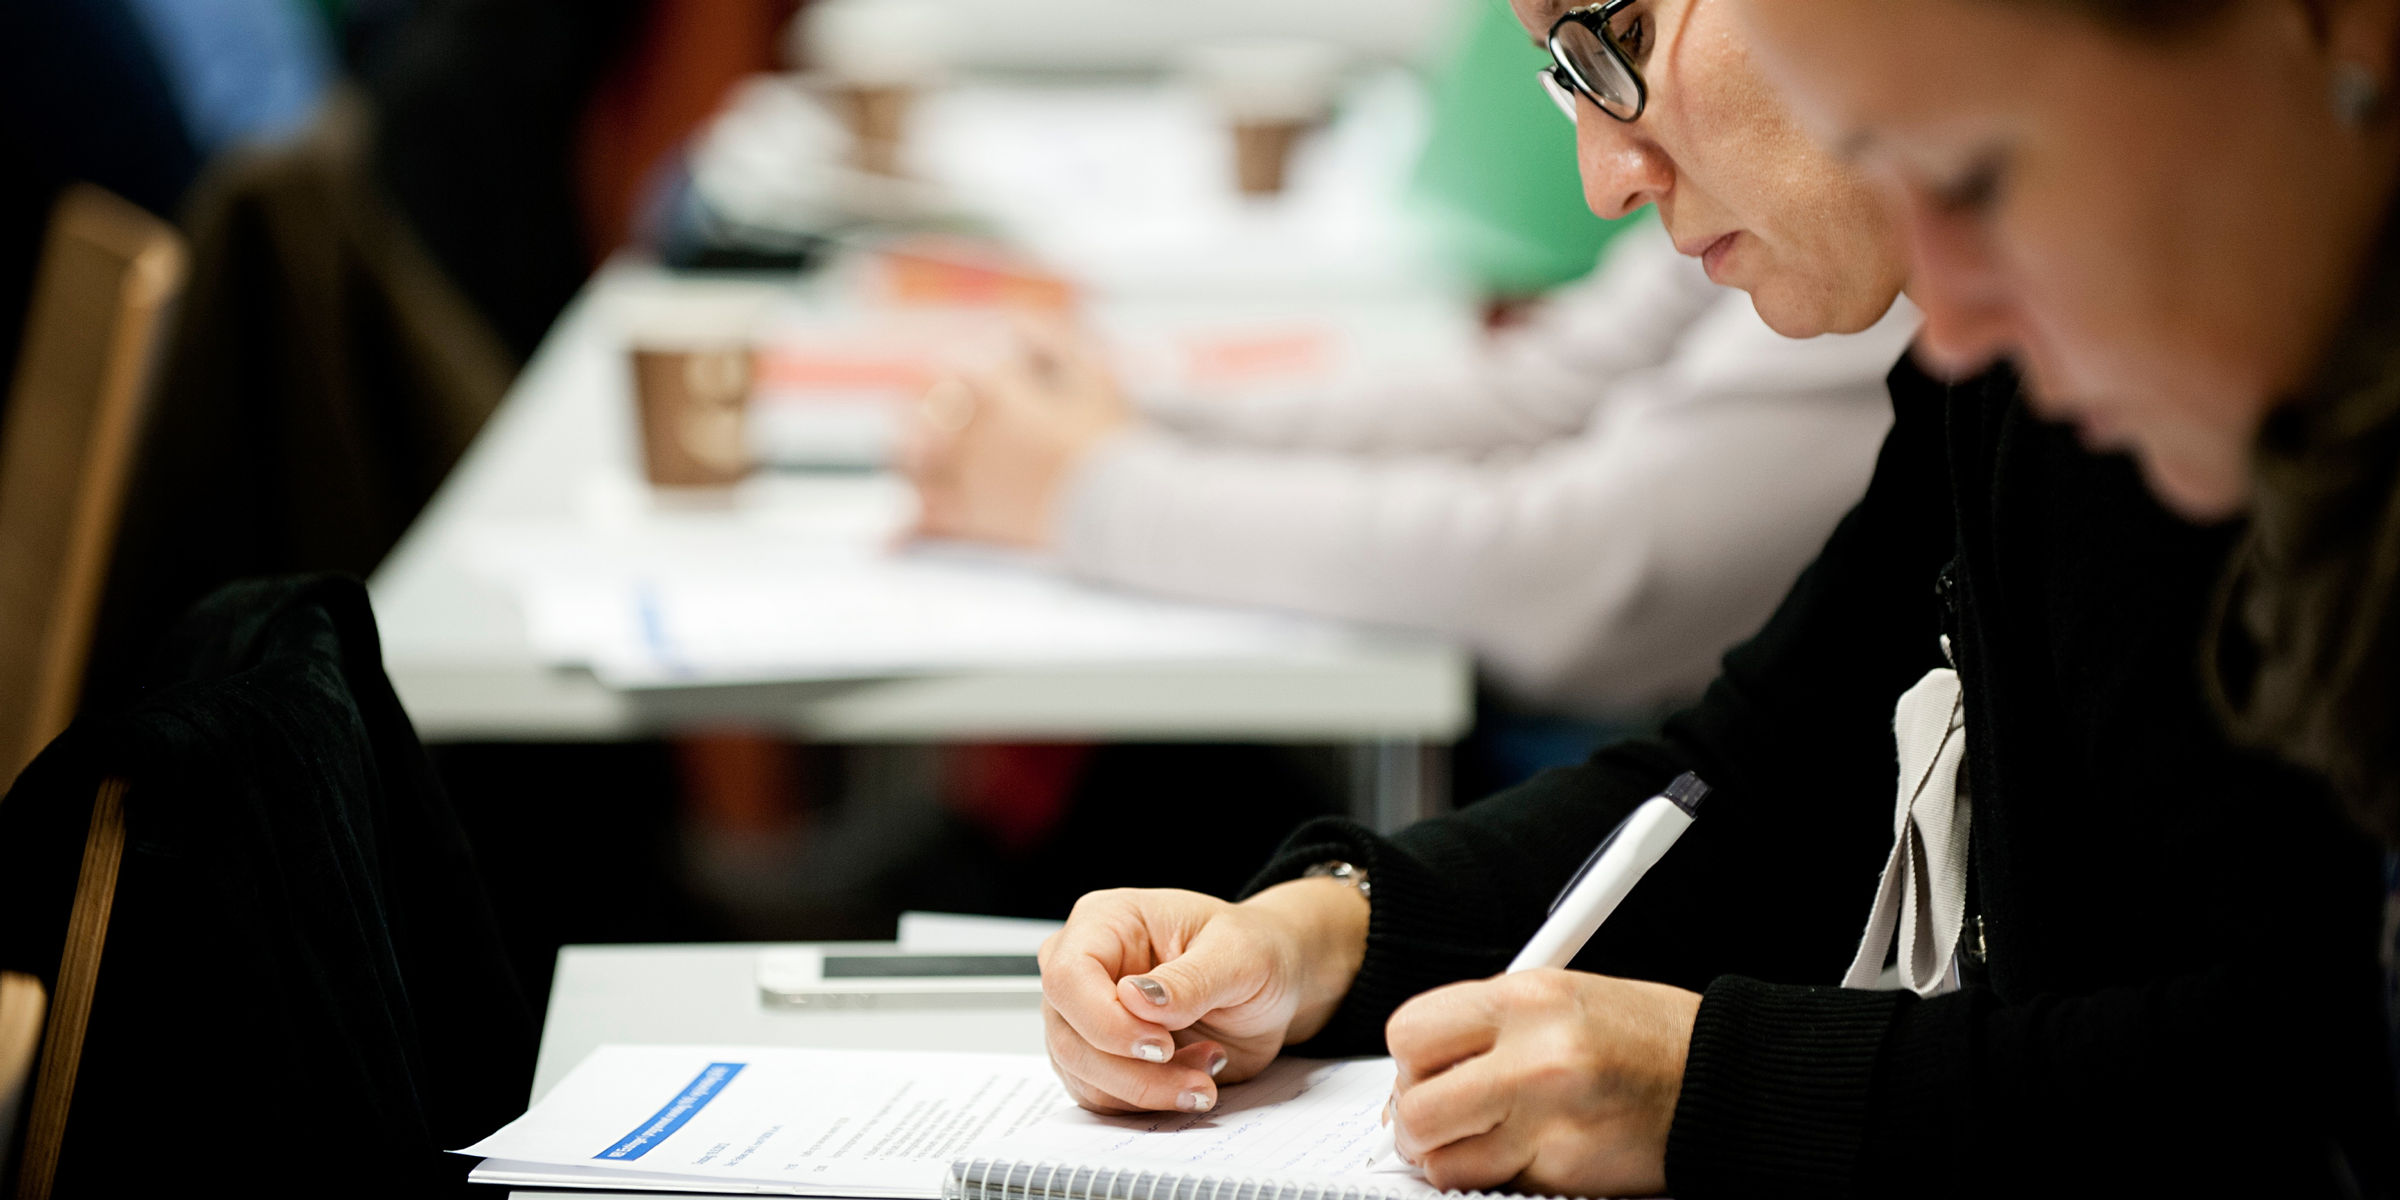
(1556, 1081)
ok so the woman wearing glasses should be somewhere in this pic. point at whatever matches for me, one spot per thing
(1511, 504)
(2130, 955)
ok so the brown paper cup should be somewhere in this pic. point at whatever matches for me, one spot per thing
(877, 115)
(694, 411)
(1262, 154)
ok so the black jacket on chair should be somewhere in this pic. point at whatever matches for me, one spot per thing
(302, 986)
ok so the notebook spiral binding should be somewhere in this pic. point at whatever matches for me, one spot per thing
(999, 1179)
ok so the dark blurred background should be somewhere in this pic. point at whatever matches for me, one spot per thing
(389, 202)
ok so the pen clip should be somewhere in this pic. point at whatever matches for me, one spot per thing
(1588, 864)
(1685, 793)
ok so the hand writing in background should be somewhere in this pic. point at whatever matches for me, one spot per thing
(990, 451)
(1559, 1082)
(1151, 997)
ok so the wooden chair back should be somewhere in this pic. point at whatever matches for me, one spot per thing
(22, 1002)
(53, 1076)
(109, 274)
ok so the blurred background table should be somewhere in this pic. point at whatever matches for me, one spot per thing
(558, 464)
(457, 647)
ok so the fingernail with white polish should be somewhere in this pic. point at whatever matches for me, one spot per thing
(1150, 989)
(1216, 1065)
(1195, 1101)
(1150, 1052)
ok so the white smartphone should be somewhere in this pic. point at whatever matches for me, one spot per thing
(867, 976)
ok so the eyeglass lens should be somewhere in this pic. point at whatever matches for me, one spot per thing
(1596, 68)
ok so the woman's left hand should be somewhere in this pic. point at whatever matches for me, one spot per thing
(1558, 1082)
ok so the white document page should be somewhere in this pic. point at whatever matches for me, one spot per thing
(673, 600)
(803, 1122)
(1298, 1119)
(890, 1123)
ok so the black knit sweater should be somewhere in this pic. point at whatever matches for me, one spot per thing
(2182, 986)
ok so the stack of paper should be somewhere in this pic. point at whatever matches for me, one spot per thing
(800, 580)
(876, 617)
(892, 1124)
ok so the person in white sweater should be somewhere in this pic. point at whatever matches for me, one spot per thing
(1598, 505)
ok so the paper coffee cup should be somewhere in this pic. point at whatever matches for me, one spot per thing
(877, 117)
(1270, 93)
(690, 352)
(873, 57)
(1262, 154)
(695, 407)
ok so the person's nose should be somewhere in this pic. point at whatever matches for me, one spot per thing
(1955, 279)
(1622, 169)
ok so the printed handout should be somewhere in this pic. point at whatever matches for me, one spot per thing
(890, 1123)
(819, 1122)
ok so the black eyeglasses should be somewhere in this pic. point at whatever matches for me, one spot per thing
(1590, 59)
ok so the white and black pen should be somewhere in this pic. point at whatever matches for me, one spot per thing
(1620, 861)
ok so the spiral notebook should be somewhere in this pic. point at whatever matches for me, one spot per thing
(889, 1125)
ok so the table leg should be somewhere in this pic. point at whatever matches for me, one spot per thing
(1397, 782)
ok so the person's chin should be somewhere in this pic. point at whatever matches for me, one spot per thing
(1792, 316)
(2203, 493)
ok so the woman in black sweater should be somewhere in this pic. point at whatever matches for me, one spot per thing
(2172, 979)
(2178, 987)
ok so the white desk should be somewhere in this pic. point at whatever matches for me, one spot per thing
(456, 646)
(558, 462)
(709, 994)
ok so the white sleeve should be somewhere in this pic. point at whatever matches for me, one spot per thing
(1602, 572)
(1533, 383)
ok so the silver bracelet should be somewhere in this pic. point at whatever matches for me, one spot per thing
(1342, 872)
